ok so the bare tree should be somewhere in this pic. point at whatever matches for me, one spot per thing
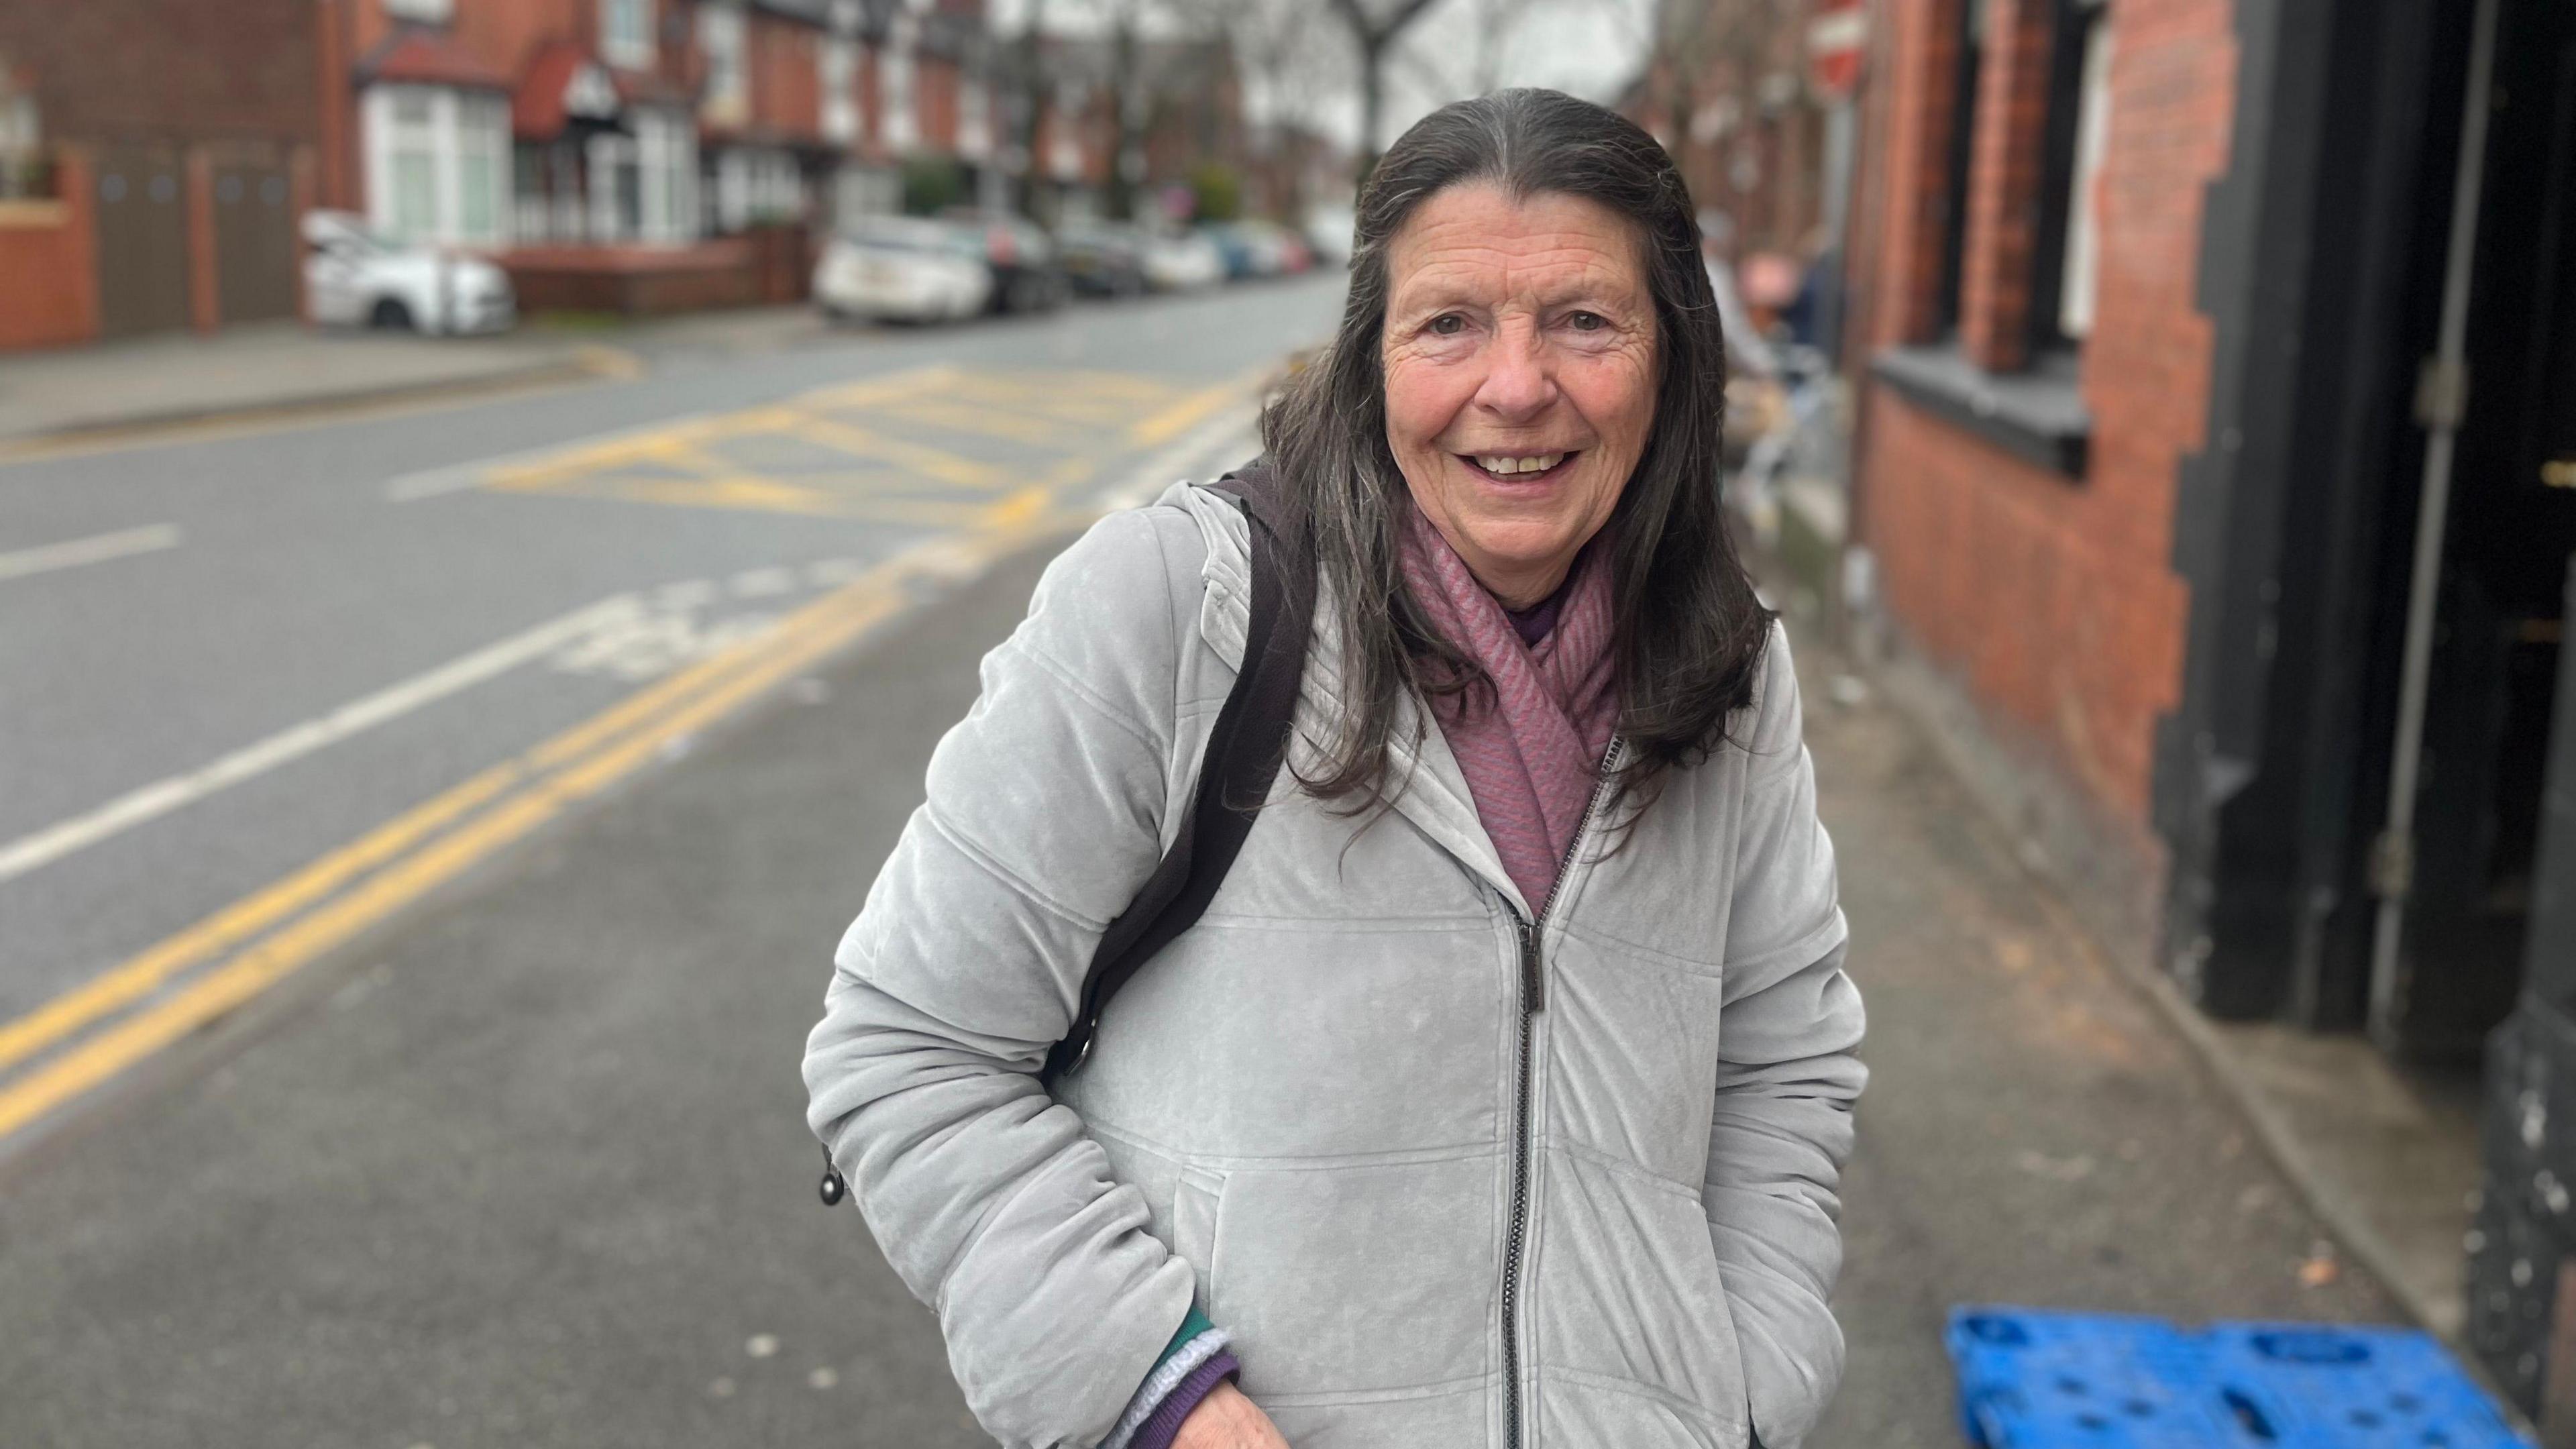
(1449, 74)
(1374, 30)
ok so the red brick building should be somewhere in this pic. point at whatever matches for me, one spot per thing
(160, 155)
(2248, 608)
(2215, 484)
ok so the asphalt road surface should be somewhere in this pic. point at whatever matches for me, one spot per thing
(247, 682)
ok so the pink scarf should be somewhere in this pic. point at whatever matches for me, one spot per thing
(1533, 759)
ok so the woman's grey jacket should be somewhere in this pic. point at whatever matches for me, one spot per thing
(1450, 1180)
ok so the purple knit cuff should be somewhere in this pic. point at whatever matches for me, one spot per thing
(1164, 1425)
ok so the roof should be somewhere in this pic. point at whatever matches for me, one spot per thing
(426, 57)
(566, 85)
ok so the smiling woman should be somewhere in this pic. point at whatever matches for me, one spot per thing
(1499, 1093)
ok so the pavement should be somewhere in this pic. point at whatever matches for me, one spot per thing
(183, 381)
(506, 1145)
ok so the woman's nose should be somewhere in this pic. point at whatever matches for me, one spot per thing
(1519, 384)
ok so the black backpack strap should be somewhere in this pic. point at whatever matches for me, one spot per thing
(1244, 752)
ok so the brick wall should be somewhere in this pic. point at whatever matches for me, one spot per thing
(116, 69)
(48, 255)
(786, 76)
(2052, 599)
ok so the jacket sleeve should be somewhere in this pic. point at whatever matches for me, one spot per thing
(1043, 818)
(1787, 1079)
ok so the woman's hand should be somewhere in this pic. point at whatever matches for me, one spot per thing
(1225, 1419)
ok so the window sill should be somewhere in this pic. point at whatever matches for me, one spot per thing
(2037, 415)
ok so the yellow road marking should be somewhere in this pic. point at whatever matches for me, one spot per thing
(876, 391)
(728, 681)
(1180, 417)
(245, 918)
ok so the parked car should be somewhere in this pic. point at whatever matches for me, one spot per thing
(1182, 261)
(1020, 255)
(1236, 247)
(1329, 230)
(1102, 258)
(356, 278)
(1285, 251)
(902, 268)
(1259, 248)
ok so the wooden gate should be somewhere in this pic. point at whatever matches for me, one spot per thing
(255, 245)
(142, 197)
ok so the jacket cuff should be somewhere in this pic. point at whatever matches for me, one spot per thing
(1164, 1425)
(1197, 1342)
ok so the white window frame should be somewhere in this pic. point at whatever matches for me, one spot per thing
(667, 142)
(456, 122)
(724, 39)
(626, 34)
(974, 119)
(2079, 281)
(900, 124)
(836, 72)
(435, 12)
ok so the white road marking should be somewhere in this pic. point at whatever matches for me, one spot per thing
(52, 843)
(96, 549)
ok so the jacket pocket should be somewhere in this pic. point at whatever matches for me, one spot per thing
(1195, 1200)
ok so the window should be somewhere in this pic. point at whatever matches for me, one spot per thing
(2079, 125)
(626, 33)
(901, 125)
(754, 185)
(2039, 273)
(485, 175)
(616, 189)
(667, 146)
(436, 12)
(1963, 131)
(439, 163)
(25, 170)
(839, 72)
(720, 36)
(974, 119)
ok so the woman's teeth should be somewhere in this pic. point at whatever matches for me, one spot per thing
(1537, 464)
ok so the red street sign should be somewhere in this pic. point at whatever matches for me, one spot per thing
(1836, 35)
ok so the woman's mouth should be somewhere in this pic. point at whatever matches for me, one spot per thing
(1519, 467)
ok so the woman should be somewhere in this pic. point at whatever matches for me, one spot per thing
(1500, 1095)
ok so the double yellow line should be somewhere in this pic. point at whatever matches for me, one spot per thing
(100, 1028)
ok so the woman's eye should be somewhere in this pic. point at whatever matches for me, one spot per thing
(1448, 324)
(1587, 321)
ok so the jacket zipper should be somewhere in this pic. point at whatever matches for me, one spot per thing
(1533, 1000)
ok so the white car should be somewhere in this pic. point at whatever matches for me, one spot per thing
(902, 268)
(1181, 262)
(355, 278)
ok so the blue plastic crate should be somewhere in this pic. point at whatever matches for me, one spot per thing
(2318, 1386)
(2035, 1379)
(2040, 1380)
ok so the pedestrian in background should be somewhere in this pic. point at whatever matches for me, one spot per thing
(1500, 1095)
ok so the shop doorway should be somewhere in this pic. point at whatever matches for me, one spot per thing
(2452, 958)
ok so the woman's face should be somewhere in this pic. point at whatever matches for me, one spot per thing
(1520, 376)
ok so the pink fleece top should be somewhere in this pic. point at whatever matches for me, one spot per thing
(1532, 755)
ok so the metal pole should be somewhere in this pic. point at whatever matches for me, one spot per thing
(2441, 399)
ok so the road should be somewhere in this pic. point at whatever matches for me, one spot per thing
(250, 679)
